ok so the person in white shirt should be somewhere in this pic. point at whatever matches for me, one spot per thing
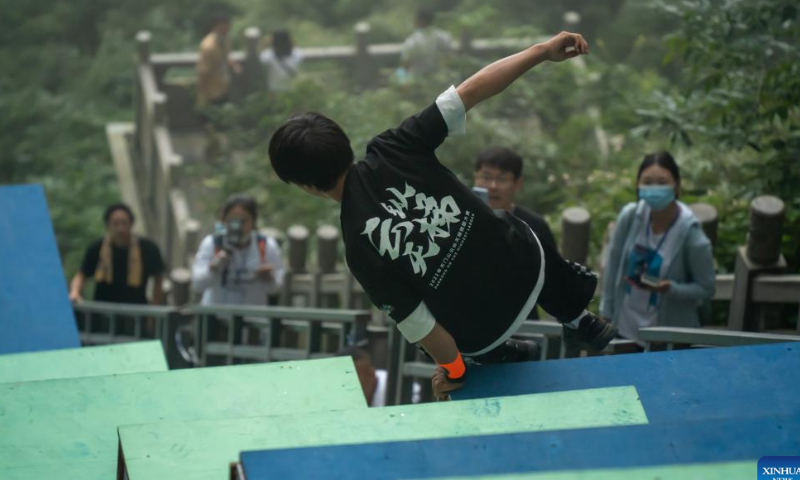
(282, 61)
(425, 50)
(237, 265)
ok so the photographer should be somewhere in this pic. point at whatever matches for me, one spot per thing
(236, 265)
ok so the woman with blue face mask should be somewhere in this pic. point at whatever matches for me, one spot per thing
(660, 267)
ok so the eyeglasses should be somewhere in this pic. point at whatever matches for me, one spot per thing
(488, 179)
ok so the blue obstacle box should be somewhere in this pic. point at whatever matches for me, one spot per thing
(699, 384)
(704, 406)
(35, 312)
(679, 443)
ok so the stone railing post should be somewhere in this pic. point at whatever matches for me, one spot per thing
(327, 246)
(252, 70)
(762, 254)
(364, 67)
(708, 218)
(298, 248)
(143, 46)
(576, 225)
(181, 282)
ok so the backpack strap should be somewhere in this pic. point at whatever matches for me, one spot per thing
(218, 247)
(262, 247)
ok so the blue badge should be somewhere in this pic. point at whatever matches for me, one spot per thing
(779, 468)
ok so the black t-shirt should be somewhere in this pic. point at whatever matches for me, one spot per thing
(413, 232)
(118, 290)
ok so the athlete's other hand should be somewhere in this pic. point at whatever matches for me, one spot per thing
(566, 45)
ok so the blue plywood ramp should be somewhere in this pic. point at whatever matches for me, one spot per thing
(701, 384)
(595, 448)
(35, 312)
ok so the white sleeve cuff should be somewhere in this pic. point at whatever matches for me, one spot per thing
(453, 111)
(418, 325)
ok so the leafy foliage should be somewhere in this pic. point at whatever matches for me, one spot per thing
(67, 71)
(741, 95)
(725, 102)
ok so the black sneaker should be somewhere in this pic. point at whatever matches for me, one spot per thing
(512, 350)
(593, 333)
(522, 350)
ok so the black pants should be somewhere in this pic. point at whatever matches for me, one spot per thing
(568, 289)
(568, 286)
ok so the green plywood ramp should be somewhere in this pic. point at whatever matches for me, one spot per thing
(134, 357)
(203, 450)
(705, 471)
(68, 428)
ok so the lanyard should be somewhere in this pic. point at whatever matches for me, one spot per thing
(660, 243)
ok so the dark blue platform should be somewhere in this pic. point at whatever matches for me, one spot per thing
(615, 447)
(699, 384)
(35, 312)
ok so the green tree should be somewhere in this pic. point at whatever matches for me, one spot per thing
(67, 71)
(740, 93)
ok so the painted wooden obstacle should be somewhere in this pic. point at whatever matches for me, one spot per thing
(68, 428)
(701, 384)
(676, 443)
(136, 357)
(702, 471)
(203, 450)
(35, 312)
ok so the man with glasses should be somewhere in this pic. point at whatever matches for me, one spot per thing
(499, 171)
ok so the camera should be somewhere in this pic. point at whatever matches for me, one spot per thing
(229, 235)
(483, 193)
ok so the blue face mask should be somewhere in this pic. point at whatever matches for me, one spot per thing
(657, 196)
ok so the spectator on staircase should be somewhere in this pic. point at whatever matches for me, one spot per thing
(660, 266)
(214, 65)
(281, 61)
(237, 265)
(498, 171)
(425, 50)
(120, 263)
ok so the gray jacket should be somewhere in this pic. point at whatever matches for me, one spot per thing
(690, 272)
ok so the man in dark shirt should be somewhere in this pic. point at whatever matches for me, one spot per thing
(120, 263)
(455, 275)
(499, 171)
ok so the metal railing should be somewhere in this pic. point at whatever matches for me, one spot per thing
(156, 165)
(105, 323)
(349, 325)
(701, 337)
(101, 323)
(218, 332)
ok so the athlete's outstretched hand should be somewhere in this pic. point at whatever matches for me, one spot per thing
(566, 45)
